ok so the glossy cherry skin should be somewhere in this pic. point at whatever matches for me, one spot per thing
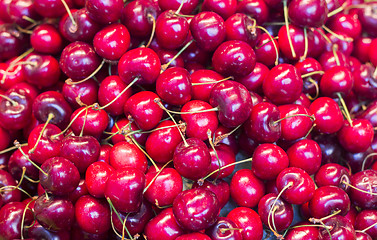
(126, 154)
(76, 65)
(146, 113)
(54, 213)
(254, 81)
(365, 219)
(249, 221)
(11, 218)
(327, 200)
(96, 177)
(164, 225)
(234, 58)
(335, 80)
(268, 161)
(196, 209)
(327, 114)
(297, 127)
(51, 8)
(193, 236)
(192, 159)
(104, 12)
(304, 232)
(13, 42)
(341, 229)
(16, 76)
(219, 187)
(365, 85)
(140, 63)
(112, 41)
(174, 86)
(168, 180)
(46, 39)
(160, 144)
(367, 181)
(361, 48)
(234, 103)
(358, 137)
(224, 228)
(238, 27)
(283, 214)
(305, 154)
(125, 188)
(62, 176)
(17, 161)
(11, 195)
(283, 84)
(297, 36)
(224, 157)
(246, 189)
(202, 92)
(328, 60)
(222, 136)
(363, 236)
(80, 191)
(171, 30)
(187, 7)
(302, 186)
(224, 8)
(332, 174)
(308, 14)
(368, 18)
(135, 222)
(256, 9)
(92, 214)
(96, 121)
(208, 30)
(19, 8)
(87, 91)
(198, 124)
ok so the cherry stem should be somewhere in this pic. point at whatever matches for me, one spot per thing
(315, 220)
(69, 13)
(336, 11)
(375, 73)
(213, 82)
(358, 189)
(124, 226)
(273, 42)
(346, 10)
(151, 18)
(200, 181)
(155, 177)
(29, 19)
(50, 116)
(17, 187)
(287, 27)
(145, 153)
(334, 50)
(112, 208)
(366, 229)
(69, 81)
(83, 125)
(153, 130)
(180, 7)
(121, 93)
(11, 148)
(306, 44)
(274, 23)
(312, 73)
(14, 63)
(347, 39)
(316, 89)
(223, 230)
(259, 47)
(345, 109)
(31, 180)
(323, 35)
(221, 137)
(210, 140)
(165, 66)
(24, 30)
(216, 109)
(18, 145)
(296, 115)
(23, 217)
(365, 160)
(14, 103)
(158, 101)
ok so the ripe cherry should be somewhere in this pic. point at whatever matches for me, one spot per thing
(327, 114)
(125, 154)
(202, 92)
(364, 191)
(96, 177)
(219, 187)
(238, 27)
(366, 222)
(309, 14)
(46, 39)
(11, 216)
(104, 12)
(305, 154)
(249, 221)
(340, 228)
(171, 30)
(356, 136)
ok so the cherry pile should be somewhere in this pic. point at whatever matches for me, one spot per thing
(188, 119)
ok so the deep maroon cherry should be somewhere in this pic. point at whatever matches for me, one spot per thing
(104, 12)
(327, 114)
(308, 14)
(332, 174)
(16, 75)
(17, 9)
(222, 157)
(123, 127)
(126, 154)
(187, 6)
(224, 228)
(17, 161)
(9, 195)
(223, 135)
(219, 187)
(46, 39)
(365, 85)
(367, 182)
(39, 232)
(331, 58)
(238, 27)
(256, 9)
(305, 154)
(368, 18)
(51, 8)
(363, 236)
(86, 91)
(80, 191)
(301, 232)
(365, 219)
(254, 81)
(296, 35)
(12, 41)
(11, 218)
(249, 221)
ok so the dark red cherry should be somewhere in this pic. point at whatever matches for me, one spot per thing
(224, 228)
(308, 14)
(332, 174)
(12, 195)
(86, 91)
(268, 161)
(174, 86)
(193, 236)
(271, 209)
(112, 41)
(223, 156)
(254, 81)
(305, 154)
(171, 30)
(246, 189)
(368, 18)
(46, 39)
(125, 189)
(80, 191)
(92, 214)
(167, 56)
(17, 9)
(256, 9)
(299, 187)
(60, 176)
(15, 76)
(123, 127)
(239, 27)
(301, 231)
(125, 154)
(367, 182)
(187, 6)
(219, 187)
(335, 80)
(196, 209)
(96, 177)
(363, 236)
(365, 85)
(104, 12)
(11, 216)
(361, 48)
(234, 103)
(293, 128)
(221, 135)
(328, 200)
(202, 92)
(164, 225)
(341, 228)
(142, 64)
(52, 8)
(5, 17)
(329, 60)
(54, 213)
(365, 219)
(17, 161)
(266, 50)
(208, 30)
(283, 84)
(77, 65)
(39, 232)
(13, 42)
(249, 221)
(234, 58)
(327, 114)
(356, 136)
(224, 8)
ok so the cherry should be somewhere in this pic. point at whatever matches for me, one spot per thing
(297, 184)
(123, 128)
(96, 177)
(196, 209)
(92, 214)
(111, 88)
(363, 193)
(174, 86)
(224, 228)
(356, 136)
(203, 91)
(219, 187)
(233, 101)
(124, 188)
(366, 222)
(333, 58)
(10, 195)
(332, 174)
(193, 236)
(238, 27)
(303, 230)
(13, 42)
(86, 91)
(164, 225)
(221, 155)
(171, 30)
(125, 154)
(224, 8)
(187, 6)
(340, 228)
(167, 56)
(305, 154)
(17, 9)
(224, 135)
(283, 84)
(59, 176)
(54, 213)
(5, 17)
(327, 114)
(82, 29)
(293, 43)
(11, 76)
(246, 189)
(46, 39)
(76, 65)
(104, 12)
(363, 236)
(11, 219)
(309, 14)
(192, 159)
(294, 127)
(335, 80)
(267, 50)
(254, 81)
(234, 58)
(112, 41)
(368, 18)
(256, 9)
(249, 221)
(274, 210)
(208, 30)
(364, 83)
(16, 163)
(268, 161)
(51, 8)
(80, 191)
(39, 232)
(361, 48)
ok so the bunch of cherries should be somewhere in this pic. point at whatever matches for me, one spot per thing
(188, 119)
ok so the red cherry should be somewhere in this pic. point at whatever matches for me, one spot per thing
(125, 154)
(327, 114)
(96, 177)
(305, 154)
(46, 39)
